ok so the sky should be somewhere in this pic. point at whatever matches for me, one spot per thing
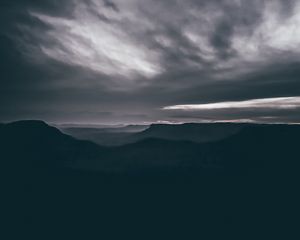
(150, 61)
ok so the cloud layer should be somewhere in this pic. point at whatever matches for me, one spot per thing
(125, 61)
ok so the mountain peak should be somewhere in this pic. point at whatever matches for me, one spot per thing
(29, 130)
(28, 123)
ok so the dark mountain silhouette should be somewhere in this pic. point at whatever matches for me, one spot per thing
(249, 147)
(54, 178)
(36, 144)
(206, 132)
(270, 148)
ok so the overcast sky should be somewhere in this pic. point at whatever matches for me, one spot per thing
(142, 61)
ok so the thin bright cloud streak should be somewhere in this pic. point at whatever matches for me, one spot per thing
(264, 103)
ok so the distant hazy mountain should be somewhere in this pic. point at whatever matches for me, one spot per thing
(107, 136)
(194, 132)
(128, 128)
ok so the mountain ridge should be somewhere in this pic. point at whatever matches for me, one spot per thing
(37, 144)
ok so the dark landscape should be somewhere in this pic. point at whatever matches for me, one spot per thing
(241, 174)
(179, 153)
(149, 119)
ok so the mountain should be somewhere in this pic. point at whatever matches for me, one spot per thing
(195, 132)
(248, 148)
(251, 175)
(107, 136)
(34, 143)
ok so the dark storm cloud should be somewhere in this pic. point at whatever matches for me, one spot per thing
(104, 60)
(111, 4)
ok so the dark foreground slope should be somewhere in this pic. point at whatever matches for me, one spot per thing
(242, 185)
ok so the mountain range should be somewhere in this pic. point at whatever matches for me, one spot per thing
(160, 150)
(117, 136)
(246, 173)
